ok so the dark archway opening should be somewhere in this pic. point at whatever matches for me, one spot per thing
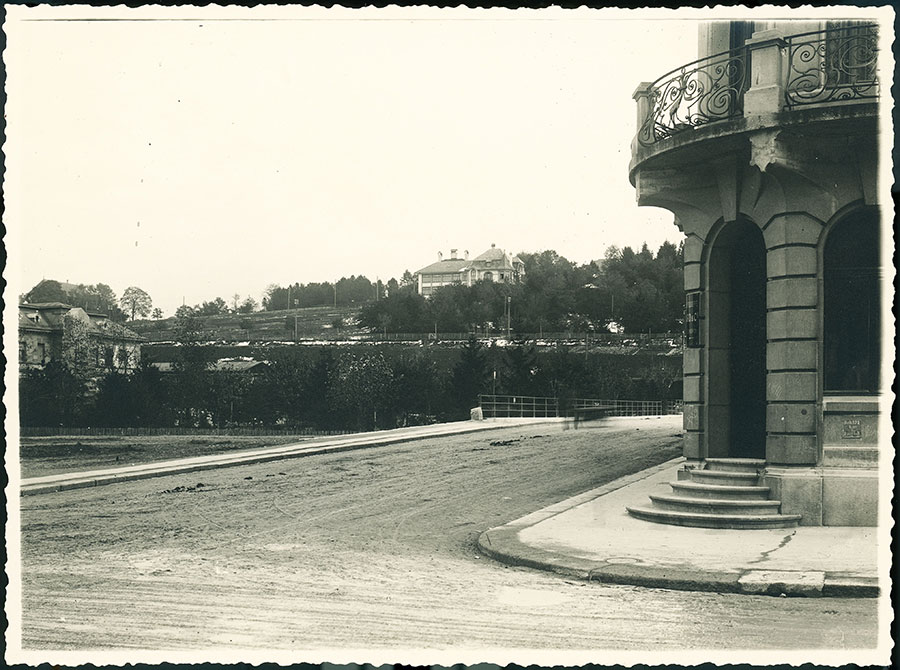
(852, 318)
(736, 405)
(748, 344)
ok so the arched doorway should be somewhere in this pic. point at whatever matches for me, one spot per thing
(736, 385)
(852, 304)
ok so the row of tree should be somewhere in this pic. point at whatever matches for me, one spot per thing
(100, 298)
(635, 291)
(334, 388)
(347, 291)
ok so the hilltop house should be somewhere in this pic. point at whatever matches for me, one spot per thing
(493, 265)
(766, 150)
(87, 341)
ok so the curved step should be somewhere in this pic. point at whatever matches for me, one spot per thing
(692, 489)
(735, 464)
(715, 505)
(697, 520)
(725, 478)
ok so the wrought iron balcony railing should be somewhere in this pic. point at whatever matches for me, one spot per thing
(705, 90)
(834, 65)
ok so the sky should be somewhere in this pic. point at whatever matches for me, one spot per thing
(219, 151)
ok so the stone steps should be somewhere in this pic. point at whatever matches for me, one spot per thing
(724, 493)
(702, 520)
(735, 464)
(725, 478)
(678, 503)
(693, 489)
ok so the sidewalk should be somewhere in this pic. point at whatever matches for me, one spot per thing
(592, 537)
(75, 480)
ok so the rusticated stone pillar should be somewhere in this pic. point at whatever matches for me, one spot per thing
(694, 447)
(792, 345)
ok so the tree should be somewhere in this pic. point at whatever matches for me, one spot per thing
(189, 379)
(521, 370)
(157, 314)
(248, 306)
(184, 311)
(51, 396)
(78, 350)
(46, 290)
(470, 377)
(136, 301)
(213, 307)
(359, 386)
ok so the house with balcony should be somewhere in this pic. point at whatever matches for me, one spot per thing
(493, 265)
(766, 150)
(87, 341)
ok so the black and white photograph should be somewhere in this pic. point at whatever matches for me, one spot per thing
(441, 336)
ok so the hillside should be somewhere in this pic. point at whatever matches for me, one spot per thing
(311, 323)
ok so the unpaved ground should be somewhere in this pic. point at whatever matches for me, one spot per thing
(375, 549)
(41, 456)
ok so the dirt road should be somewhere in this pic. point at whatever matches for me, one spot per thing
(374, 549)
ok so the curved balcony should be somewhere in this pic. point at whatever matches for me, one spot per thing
(702, 91)
(771, 81)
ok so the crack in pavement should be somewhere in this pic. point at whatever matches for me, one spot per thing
(764, 556)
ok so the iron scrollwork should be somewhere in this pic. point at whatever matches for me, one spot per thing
(839, 64)
(706, 90)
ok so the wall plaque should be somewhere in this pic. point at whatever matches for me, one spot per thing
(692, 319)
(852, 429)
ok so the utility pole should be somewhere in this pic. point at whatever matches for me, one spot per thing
(334, 288)
(289, 297)
(508, 309)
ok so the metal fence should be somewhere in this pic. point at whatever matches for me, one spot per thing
(97, 431)
(597, 339)
(630, 407)
(504, 406)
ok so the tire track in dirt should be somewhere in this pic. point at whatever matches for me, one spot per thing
(374, 550)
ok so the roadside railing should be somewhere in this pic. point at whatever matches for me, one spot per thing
(505, 406)
(99, 431)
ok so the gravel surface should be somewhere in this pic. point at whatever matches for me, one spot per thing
(41, 456)
(375, 549)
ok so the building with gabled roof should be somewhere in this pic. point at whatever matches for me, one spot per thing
(46, 333)
(495, 264)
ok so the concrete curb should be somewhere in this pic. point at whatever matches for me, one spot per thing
(76, 480)
(503, 544)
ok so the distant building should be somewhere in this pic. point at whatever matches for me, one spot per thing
(493, 265)
(88, 341)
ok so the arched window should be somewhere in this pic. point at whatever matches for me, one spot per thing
(488, 276)
(852, 319)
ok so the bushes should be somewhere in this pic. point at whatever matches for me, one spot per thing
(334, 388)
